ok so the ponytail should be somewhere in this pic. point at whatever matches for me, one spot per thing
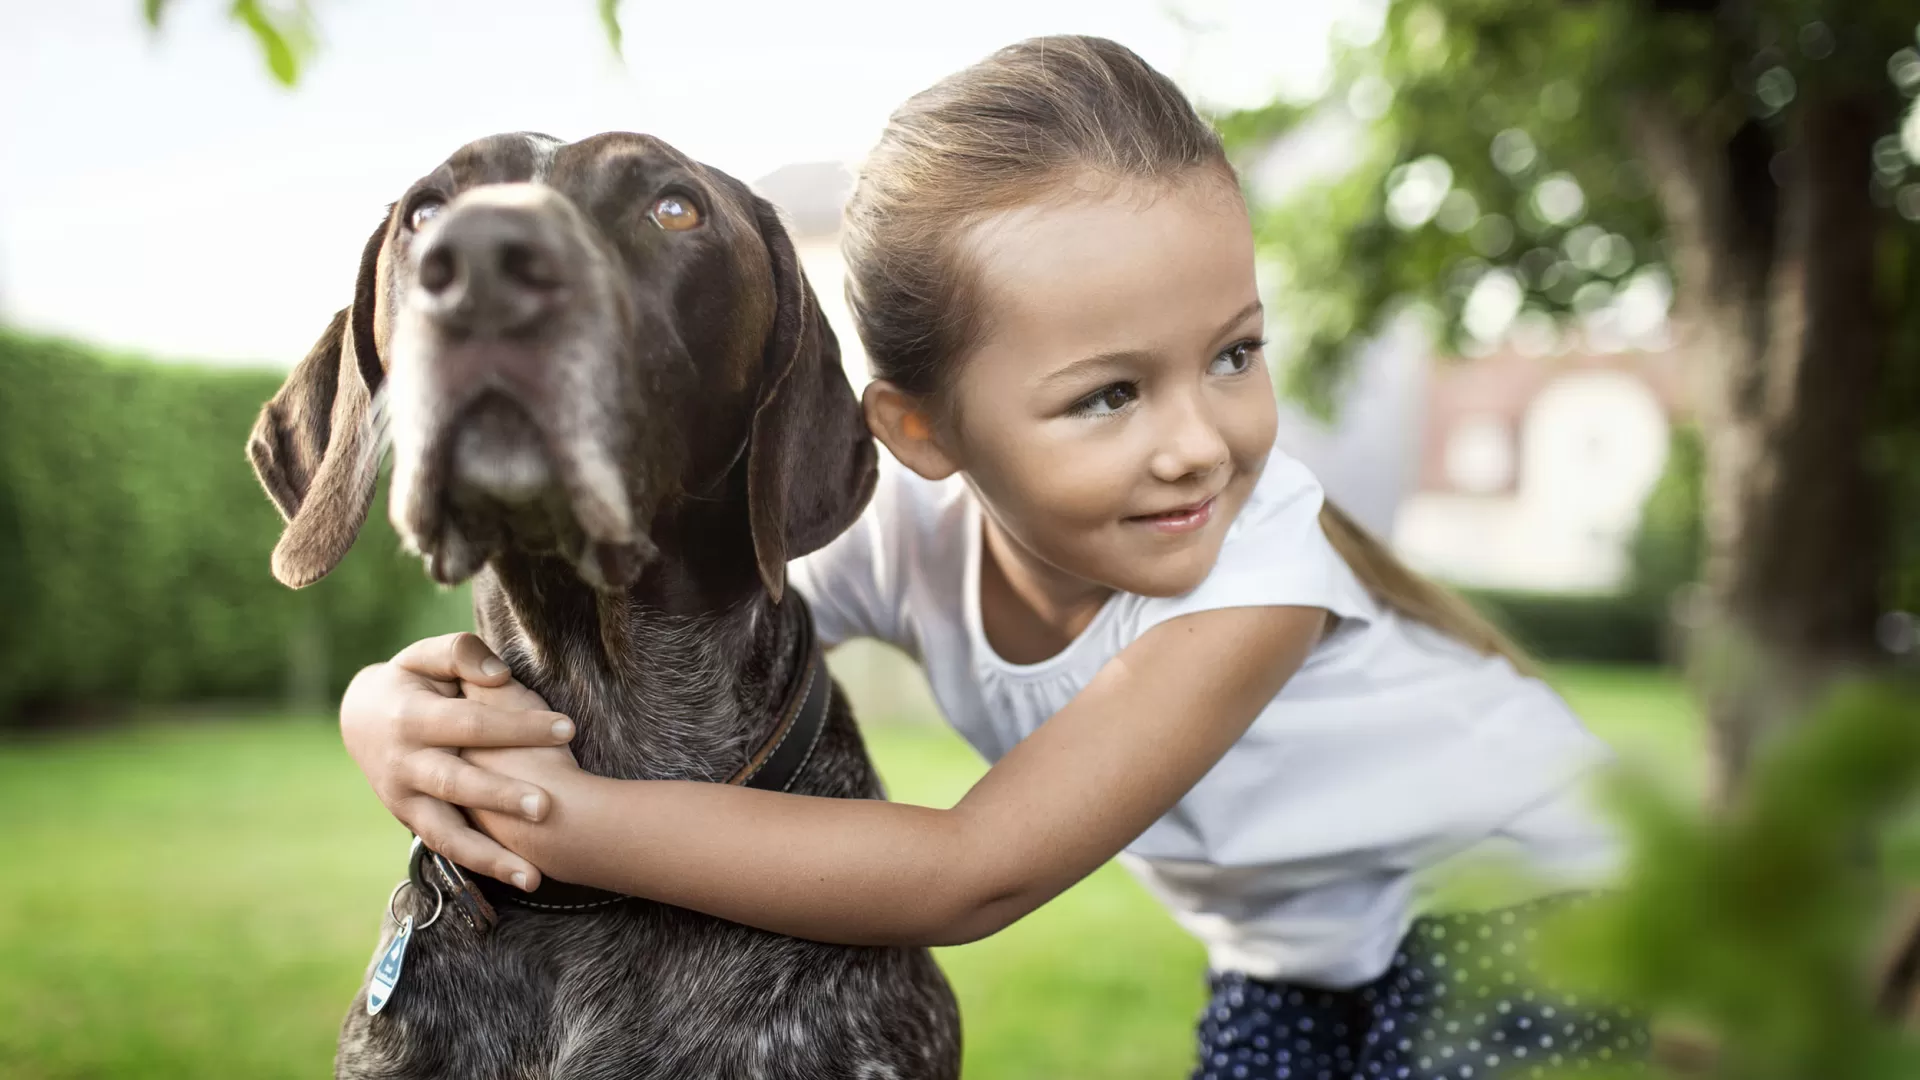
(1413, 596)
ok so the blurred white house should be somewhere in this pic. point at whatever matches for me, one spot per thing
(1533, 469)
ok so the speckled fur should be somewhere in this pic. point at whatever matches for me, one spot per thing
(644, 989)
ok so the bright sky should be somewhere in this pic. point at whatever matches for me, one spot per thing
(162, 193)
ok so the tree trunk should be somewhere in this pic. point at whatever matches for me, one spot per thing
(1774, 248)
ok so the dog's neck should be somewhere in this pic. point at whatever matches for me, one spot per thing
(677, 677)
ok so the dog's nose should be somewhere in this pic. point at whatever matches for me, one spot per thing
(489, 269)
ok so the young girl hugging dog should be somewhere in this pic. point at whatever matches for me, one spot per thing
(1150, 620)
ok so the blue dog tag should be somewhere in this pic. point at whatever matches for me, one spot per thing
(386, 974)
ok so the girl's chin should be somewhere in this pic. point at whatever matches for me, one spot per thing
(1171, 575)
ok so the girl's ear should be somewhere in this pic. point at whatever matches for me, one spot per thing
(904, 423)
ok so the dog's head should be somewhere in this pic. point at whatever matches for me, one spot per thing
(569, 339)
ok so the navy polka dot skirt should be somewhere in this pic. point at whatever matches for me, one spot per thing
(1462, 1001)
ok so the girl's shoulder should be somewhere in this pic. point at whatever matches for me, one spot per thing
(1275, 553)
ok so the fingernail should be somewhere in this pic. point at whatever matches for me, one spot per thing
(491, 667)
(530, 806)
(563, 729)
(520, 880)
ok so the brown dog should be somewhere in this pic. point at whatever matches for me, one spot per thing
(614, 403)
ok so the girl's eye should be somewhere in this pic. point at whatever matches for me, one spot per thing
(1237, 358)
(1107, 400)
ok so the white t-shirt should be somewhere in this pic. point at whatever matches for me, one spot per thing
(1298, 855)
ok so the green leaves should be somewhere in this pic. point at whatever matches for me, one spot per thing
(1530, 109)
(285, 34)
(610, 21)
(1757, 923)
(1484, 139)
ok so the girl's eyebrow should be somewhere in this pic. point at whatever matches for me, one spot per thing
(1071, 372)
(1241, 316)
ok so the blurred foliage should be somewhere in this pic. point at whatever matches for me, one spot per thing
(288, 34)
(1496, 192)
(285, 32)
(1755, 924)
(1497, 195)
(1669, 546)
(134, 542)
(610, 22)
(1602, 628)
(1464, 110)
(1895, 448)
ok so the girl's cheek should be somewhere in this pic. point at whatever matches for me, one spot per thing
(1057, 509)
(1086, 485)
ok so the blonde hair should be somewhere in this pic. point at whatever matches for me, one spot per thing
(1001, 134)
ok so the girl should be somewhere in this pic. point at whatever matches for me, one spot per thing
(1171, 647)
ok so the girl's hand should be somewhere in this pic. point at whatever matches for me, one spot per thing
(547, 768)
(404, 723)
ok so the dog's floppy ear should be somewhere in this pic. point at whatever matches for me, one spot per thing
(810, 460)
(314, 448)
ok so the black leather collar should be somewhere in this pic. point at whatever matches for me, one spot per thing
(780, 761)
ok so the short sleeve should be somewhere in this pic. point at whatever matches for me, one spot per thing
(851, 583)
(1275, 554)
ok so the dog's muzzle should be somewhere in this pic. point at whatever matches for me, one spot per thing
(503, 389)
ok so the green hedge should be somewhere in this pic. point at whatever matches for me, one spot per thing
(134, 545)
(1669, 546)
(1557, 627)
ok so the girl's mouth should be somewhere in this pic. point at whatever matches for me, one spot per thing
(1179, 520)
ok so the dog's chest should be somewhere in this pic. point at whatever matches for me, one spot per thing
(677, 698)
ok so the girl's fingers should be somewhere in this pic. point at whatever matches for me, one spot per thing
(452, 658)
(442, 829)
(508, 695)
(447, 778)
(457, 722)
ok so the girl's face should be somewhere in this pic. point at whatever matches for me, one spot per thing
(1118, 410)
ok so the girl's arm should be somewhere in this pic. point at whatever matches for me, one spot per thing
(865, 872)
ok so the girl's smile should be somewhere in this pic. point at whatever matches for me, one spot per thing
(1183, 519)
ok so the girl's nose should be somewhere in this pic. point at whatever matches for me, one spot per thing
(1191, 444)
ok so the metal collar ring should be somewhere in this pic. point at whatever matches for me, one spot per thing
(439, 903)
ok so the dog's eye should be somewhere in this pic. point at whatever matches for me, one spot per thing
(675, 213)
(422, 213)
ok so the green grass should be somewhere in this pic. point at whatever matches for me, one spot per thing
(198, 898)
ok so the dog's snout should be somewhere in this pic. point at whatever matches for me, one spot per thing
(490, 269)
